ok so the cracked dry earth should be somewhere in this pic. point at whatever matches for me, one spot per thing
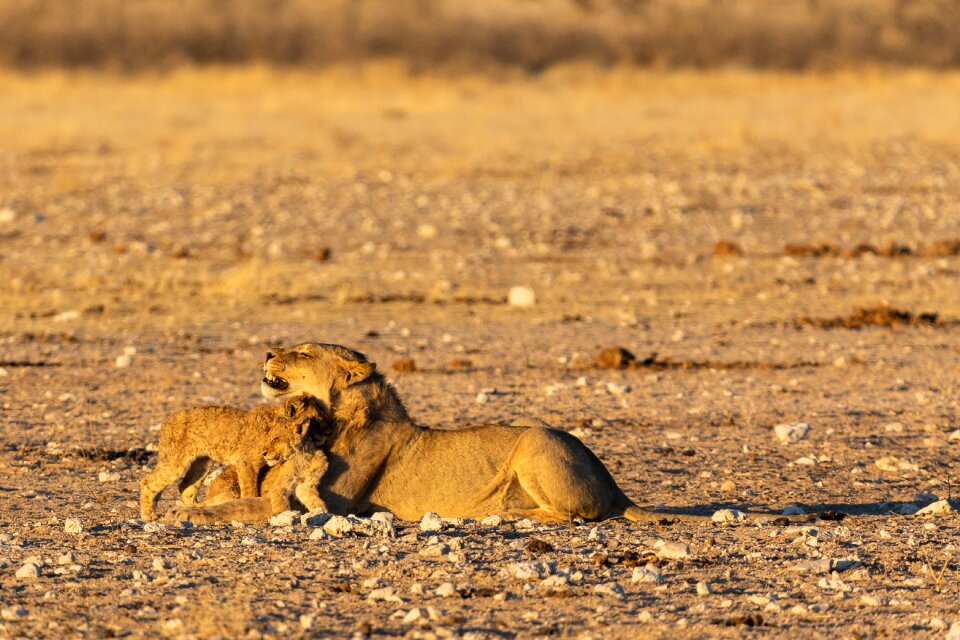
(158, 234)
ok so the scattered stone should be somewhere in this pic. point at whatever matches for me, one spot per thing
(285, 519)
(890, 463)
(338, 526)
(536, 546)
(431, 522)
(108, 476)
(872, 601)
(383, 516)
(12, 613)
(530, 570)
(73, 525)
(174, 625)
(66, 558)
(153, 527)
(703, 589)
(906, 509)
(616, 389)
(523, 297)
(318, 534)
(384, 594)
(414, 615)
(609, 589)
(728, 486)
(672, 550)
(954, 632)
(306, 621)
(728, 515)
(826, 565)
(159, 564)
(793, 509)
(315, 518)
(446, 590)
(492, 521)
(649, 573)
(791, 433)
(7, 215)
(28, 571)
(615, 358)
(123, 361)
(936, 508)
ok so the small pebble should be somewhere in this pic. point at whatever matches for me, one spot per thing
(28, 570)
(609, 589)
(285, 518)
(792, 432)
(649, 573)
(431, 522)
(728, 515)
(12, 613)
(936, 508)
(523, 297)
(446, 590)
(703, 589)
(73, 525)
(159, 564)
(673, 550)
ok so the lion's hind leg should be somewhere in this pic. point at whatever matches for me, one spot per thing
(561, 477)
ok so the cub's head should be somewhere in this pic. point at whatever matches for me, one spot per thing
(314, 369)
(286, 435)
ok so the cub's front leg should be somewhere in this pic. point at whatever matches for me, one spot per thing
(247, 474)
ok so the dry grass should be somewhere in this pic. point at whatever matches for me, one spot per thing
(532, 35)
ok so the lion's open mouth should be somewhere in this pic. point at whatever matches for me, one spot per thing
(275, 383)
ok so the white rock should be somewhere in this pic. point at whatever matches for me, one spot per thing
(383, 516)
(791, 433)
(153, 527)
(728, 515)
(937, 624)
(609, 589)
(385, 594)
(672, 550)
(414, 615)
(555, 583)
(306, 621)
(954, 435)
(482, 397)
(595, 534)
(73, 525)
(521, 297)
(315, 518)
(427, 231)
(806, 461)
(793, 510)
(123, 361)
(954, 632)
(890, 463)
(7, 215)
(66, 558)
(617, 389)
(108, 476)
(431, 522)
(173, 625)
(530, 570)
(12, 613)
(649, 573)
(872, 601)
(728, 486)
(28, 570)
(703, 589)
(338, 526)
(446, 590)
(492, 521)
(285, 518)
(159, 564)
(936, 508)
(906, 509)
(318, 534)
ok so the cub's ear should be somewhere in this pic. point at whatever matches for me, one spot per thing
(357, 372)
(304, 427)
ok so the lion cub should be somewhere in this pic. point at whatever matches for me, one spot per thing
(192, 440)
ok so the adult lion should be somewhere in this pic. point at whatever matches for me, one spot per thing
(380, 460)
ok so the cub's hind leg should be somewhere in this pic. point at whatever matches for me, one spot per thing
(151, 486)
(193, 479)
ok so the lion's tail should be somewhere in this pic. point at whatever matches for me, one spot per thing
(629, 509)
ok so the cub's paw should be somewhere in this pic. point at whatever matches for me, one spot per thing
(196, 515)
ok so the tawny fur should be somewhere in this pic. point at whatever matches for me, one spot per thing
(192, 441)
(380, 460)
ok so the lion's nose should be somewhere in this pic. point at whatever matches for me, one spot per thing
(270, 354)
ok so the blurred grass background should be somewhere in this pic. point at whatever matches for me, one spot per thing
(530, 35)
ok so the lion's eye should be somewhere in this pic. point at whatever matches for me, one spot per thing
(304, 354)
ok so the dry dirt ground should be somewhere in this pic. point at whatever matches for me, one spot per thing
(158, 233)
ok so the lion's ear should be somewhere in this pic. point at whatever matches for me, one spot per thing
(358, 372)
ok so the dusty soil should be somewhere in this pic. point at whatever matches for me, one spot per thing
(158, 233)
